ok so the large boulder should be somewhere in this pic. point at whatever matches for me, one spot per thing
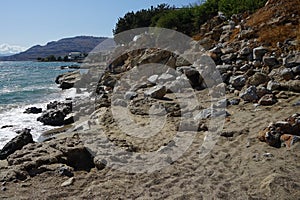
(16, 143)
(67, 80)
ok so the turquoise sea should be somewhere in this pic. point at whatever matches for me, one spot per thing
(26, 84)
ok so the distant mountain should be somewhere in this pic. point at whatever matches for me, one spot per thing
(83, 44)
(6, 54)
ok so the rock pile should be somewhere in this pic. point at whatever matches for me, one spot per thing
(280, 133)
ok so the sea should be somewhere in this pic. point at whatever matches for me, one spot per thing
(23, 85)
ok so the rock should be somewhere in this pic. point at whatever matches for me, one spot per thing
(270, 61)
(68, 182)
(65, 171)
(238, 82)
(228, 58)
(224, 68)
(16, 143)
(258, 78)
(267, 100)
(292, 85)
(165, 78)
(53, 118)
(292, 60)
(296, 70)
(56, 113)
(287, 74)
(130, 95)
(157, 92)
(245, 51)
(119, 102)
(100, 163)
(273, 85)
(6, 126)
(250, 94)
(234, 101)
(259, 52)
(287, 132)
(180, 61)
(153, 79)
(67, 80)
(193, 75)
(245, 67)
(262, 91)
(33, 110)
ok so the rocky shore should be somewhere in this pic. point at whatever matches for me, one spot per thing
(142, 131)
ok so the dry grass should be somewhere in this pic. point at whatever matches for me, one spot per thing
(277, 22)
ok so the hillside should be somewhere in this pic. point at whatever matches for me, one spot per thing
(61, 47)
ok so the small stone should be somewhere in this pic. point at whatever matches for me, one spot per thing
(287, 74)
(259, 52)
(238, 81)
(268, 155)
(3, 188)
(153, 79)
(270, 61)
(157, 92)
(250, 94)
(130, 95)
(292, 60)
(68, 182)
(258, 78)
(245, 51)
(267, 100)
(273, 85)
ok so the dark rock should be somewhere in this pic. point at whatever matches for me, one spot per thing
(259, 52)
(224, 68)
(287, 74)
(6, 126)
(228, 58)
(296, 70)
(238, 82)
(65, 171)
(33, 110)
(156, 92)
(292, 60)
(267, 100)
(234, 101)
(270, 61)
(250, 94)
(258, 78)
(56, 113)
(292, 85)
(53, 118)
(245, 51)
(193, 75)
(16, 143)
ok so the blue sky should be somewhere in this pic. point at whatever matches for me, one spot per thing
(29, 22)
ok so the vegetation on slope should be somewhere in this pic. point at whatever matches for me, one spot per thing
(187, 19)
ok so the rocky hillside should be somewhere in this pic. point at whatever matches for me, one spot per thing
(61, 47)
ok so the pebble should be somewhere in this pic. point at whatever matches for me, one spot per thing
(68, 182)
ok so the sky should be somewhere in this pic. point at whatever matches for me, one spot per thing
(25, 23)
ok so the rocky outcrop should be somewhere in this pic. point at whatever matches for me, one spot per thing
(16, 143)
(61, 156)
(56, 114)
(33, 110)
(67, 80)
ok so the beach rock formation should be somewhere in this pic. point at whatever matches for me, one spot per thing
(16, 143)
(56, 114)
(33, 110)
(68, 79)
